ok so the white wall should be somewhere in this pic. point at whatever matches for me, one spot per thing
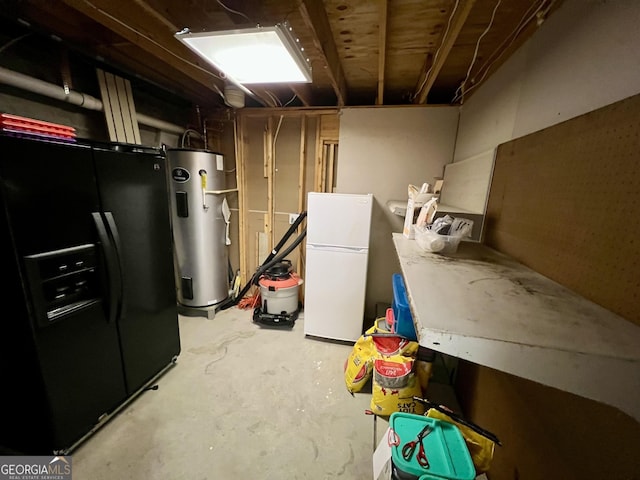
(382, 151)
(585, 56)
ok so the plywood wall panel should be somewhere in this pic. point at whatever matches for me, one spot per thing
(547, 433)
(565, 202)
(287, 163)
(256, 183)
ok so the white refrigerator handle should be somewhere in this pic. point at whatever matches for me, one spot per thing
(336, 248)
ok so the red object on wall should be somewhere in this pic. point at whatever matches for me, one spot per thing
(16, 124)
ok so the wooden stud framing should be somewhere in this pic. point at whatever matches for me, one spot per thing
(270, 215)
(326, 133)
(239, 126)
(302, 176)
(331, 147)
(382, 50)
(302, 180)
(319, 163)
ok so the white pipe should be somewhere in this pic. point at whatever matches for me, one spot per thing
(220, 192)
(159, 124)
(34, 85)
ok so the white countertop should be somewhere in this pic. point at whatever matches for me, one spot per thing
(482, 306)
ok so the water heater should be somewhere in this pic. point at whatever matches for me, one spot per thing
(199, 227)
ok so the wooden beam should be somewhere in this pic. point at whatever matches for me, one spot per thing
(244, 12)
(68, 23)
(269, 223)
(330, 167)
(302, 182)
(292, 111)
(302, 176)
(260, 94)
(455, 25)
(303, 92)
(149, 10)
(382, 50)
(325, 157)
(317, 176)
(513, 42)
(150, 33)
(315, 18)
(239, 127)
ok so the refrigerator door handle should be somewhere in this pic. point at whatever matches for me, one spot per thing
(336, 248)
(111, 264)
(113, 230)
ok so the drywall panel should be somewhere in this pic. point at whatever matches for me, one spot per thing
(487, 118)
(382, 151)
(584, 57)
(466, 183)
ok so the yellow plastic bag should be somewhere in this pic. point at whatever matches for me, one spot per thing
(394, 386)
(376, 343)
(358, 366)
(423, 371)
(480, 448)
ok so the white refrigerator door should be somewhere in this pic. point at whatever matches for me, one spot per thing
(335, 284)
(339, 219)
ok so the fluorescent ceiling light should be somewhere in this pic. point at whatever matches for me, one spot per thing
(254, 55)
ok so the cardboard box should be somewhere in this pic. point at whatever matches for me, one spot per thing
(408, 230)
(382, 458)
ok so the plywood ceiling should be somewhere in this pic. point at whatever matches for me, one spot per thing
(363, 52)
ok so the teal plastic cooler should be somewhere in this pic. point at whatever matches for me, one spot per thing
(445, 448)
(403, 321)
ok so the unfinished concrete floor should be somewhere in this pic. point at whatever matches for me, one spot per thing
(241, 402)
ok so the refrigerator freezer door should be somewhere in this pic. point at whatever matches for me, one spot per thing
(134, 196)
(57, 340)
(338, 219)
(335, 283)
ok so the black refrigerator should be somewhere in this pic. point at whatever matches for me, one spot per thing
(89, 313)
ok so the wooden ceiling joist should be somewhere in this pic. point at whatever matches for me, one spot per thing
(304, 93)
(152, 35)
(424, 48)
(382, 50)
(455, 23)
(315, 18)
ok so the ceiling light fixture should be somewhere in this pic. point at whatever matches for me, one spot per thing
(253, 55)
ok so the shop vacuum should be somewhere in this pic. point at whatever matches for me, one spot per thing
(279, 304)
(278, 284)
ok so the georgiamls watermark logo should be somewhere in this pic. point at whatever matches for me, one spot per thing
(35, 468)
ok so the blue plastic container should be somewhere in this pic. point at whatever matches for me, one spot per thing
(403, 320)
(445, 448)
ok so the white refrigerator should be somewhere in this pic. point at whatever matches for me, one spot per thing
(337, 252)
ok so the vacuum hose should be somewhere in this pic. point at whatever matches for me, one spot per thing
(279, 258)
(270, 261)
